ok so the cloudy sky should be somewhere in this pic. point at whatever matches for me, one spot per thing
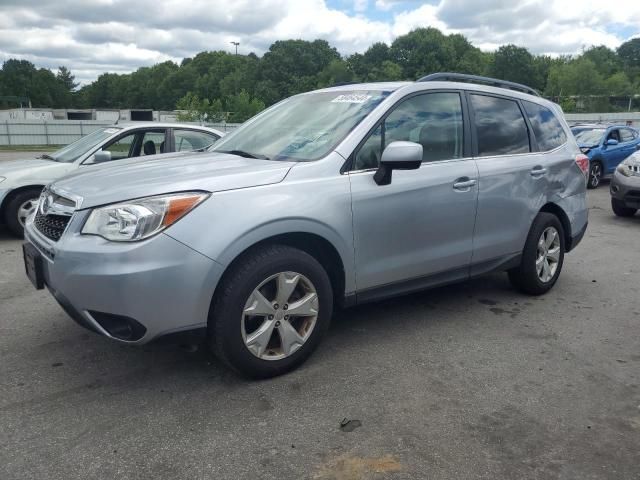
(94, 36)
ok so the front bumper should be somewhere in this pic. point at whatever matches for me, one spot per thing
(626, 189)
(159, 284)
(3, 195)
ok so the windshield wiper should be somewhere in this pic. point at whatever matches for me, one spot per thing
(204, 149)
(242, 153)
(46, 156)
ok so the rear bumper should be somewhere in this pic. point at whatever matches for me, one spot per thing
(577, 238)
(575, 207)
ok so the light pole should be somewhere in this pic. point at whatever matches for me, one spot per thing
(236, 44)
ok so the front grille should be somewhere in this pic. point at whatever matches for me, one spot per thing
(51, 226)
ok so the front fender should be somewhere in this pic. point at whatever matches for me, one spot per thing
(230, 222)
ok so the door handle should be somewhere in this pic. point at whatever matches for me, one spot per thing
(538, 171)
(464, 184)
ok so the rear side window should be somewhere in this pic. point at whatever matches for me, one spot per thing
(189, 140)
(546, 127)
(626, 135)
(501, 127)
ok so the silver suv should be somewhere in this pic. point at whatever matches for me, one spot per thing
(330, 198)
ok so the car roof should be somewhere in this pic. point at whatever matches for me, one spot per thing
(371, 86)
(435, 85)
(132, 125)
(602, 125)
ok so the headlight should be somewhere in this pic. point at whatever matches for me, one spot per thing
(139, 219)
(585, 149)
(624, 169)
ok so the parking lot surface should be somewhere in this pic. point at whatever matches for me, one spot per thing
(468, 381)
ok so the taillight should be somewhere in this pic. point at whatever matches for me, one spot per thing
(583, 163)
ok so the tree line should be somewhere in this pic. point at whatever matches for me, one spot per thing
(218, 85)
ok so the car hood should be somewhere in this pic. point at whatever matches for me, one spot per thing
(33, 168)
(211, 172)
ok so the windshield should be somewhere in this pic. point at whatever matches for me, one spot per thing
(302, 128)
(78, 148)
(588, 136)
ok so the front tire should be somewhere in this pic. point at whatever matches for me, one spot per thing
(620, 209)
(19, 207)
(595, 175)
(542, 257)
(270, 311)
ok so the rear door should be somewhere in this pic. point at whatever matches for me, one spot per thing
(513, 181)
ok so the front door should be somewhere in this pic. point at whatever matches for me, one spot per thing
(417, 230)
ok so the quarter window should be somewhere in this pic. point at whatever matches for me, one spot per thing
(546, 127)
(500, 125)
(189, 140)
(434, 120)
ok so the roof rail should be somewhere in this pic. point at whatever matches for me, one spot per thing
(463, 77)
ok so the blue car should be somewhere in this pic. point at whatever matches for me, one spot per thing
(606, 146)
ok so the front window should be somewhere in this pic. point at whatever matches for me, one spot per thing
(302, 128)
(432, 119)
(75, 150)
(589, 136)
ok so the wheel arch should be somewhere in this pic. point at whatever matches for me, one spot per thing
(9, 196)
(311, 243)
(557, 210)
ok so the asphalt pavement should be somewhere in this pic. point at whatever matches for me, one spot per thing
(464, 382)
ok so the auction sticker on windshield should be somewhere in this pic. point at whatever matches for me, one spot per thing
(351, 98)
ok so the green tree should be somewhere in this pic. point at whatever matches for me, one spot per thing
(337, 71)
(194, 109)
(422, 51)
(66, 78)
(241, 107)
(515, 64)
(629, 53)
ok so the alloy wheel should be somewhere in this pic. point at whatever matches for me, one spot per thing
(596, 174)
(26, 209)
(279, 316)
(548, 254)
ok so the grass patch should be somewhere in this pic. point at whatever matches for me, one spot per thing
(29, 148)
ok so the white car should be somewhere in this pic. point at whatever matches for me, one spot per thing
(21, 181)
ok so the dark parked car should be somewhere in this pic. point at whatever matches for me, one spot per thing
(625, 187)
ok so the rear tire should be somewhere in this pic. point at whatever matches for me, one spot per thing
(253, 285)
(18, 206)
(595, 175)
(620, 209)
(542, 257)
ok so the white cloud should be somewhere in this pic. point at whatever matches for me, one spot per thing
(360, 5)
(92, 36)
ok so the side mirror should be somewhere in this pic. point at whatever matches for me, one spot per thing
(612, 141)
(102, 156)
(398, 156)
